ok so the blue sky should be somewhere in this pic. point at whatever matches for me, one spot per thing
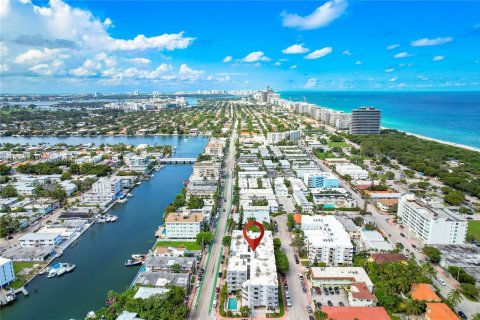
(113, 46)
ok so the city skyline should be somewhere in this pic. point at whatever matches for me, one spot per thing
(167, 46)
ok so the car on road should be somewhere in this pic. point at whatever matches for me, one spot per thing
(309, 309)
(311, 318)
(330, 304)
(462, 315)
(402, 234)
(440, 280)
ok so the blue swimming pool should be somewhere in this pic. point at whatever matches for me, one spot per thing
(232, 304)
(329, 206)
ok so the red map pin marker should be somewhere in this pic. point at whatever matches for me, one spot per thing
(253, 243)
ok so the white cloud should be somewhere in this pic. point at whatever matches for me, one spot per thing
(141, 61)
(358, 62)
(227, 59)
(277, 64)
(402, 55)
(389, 70)
(187, 73)
(319, 53)
(347, 52)
(296, 48)
(255, 56)
(108, 22)
(294, 66)
(4, 67)
(311, 83)
(393, 46)
(321, 17)
(393, 79)
(438, 58)
(425, 42)
(34, 56)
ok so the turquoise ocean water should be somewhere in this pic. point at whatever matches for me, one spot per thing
(448, 116)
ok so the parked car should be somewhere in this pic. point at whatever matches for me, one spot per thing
(325, 290)
(402, 234)
(215, 302)
(462, 315)
(440, 280)
(331, 291)
(319, 305)
(289, 303)
(336, 290)
(329, 303)
(309, 309)
(341, 304)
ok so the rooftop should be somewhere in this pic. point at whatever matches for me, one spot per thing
(382, 258)
(423, 291)
(360, 313)
(439, 311)
(360, 291)
(355, 274)
(183, 217)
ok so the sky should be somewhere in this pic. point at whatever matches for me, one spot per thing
(62, 46)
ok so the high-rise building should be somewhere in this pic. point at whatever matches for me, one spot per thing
(365, 120)
(431, 225)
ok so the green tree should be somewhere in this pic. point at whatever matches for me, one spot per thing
(469, 290)
(281, 262)
(8, 225)
(432, 253)
(320, 315)
(8, 191)
(195, 202)
(245, 311)
(226, 241)
(203, 238)
(454, 297)
(4, 169)
(415, 307)
(277, 243)
(66, 175)
(176, 268)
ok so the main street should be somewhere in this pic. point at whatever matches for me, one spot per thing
(202, 308)
(299, 299)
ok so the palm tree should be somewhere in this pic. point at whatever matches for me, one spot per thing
(415, 307)
(454, 297)
(428, 270)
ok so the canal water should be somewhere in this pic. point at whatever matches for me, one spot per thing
(102, 250)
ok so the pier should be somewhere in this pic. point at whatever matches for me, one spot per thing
(178, 160)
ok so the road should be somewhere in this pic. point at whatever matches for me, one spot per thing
(202, 309)
(299, 299)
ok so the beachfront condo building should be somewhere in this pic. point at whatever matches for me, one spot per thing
(7, 275)
(365, 120)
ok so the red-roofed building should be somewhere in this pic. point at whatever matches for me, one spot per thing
(360, 313)
(360, 296)
(424, 291)
(298, 218)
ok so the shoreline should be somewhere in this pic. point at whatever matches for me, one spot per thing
(453, 144)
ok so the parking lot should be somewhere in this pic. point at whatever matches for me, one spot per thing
(336, 299)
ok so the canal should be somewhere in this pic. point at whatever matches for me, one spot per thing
(102, 250)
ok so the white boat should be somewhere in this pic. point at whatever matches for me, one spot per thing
(70, 267)
(52, 273)
(138, 183)
(111, 218)
(43, 271)
(129, 195)
(61, 271)
(124, 200)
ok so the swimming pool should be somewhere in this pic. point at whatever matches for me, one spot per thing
(329, 206)
(232, 304)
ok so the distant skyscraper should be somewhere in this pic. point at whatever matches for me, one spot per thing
(365, 120)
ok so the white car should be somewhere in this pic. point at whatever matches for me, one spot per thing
(289, 303)
(215, 302)
(441, 282)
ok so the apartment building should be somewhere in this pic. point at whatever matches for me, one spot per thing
(327, 240)
(320, 180)
(431, 225)
(365, 120)
(107, 186)
(184, 224)
(37, 239)
(206, 169)
(253, 272)
(292, 135)
(355, 172)
(7, 274)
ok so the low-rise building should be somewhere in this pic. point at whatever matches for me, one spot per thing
(373, 240)
(7, 274)
(209, 169)
(184, 224)
(36, 239)
(163, 279)
(320, 180)
(353, 171)
(163, 263)
(356, 313)
(360, 296)
(253, 272)
(326, 240)
(439, 311)
(424, 292)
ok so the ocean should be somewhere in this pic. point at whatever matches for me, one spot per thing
(447, 116)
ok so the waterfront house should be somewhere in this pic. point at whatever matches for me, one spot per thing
(184, 225)
(156, 264)
(163, 279)
(38, 239)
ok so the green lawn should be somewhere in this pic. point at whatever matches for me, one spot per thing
(22, 279)
(474, 229)
(190, 245)
(342, 144)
